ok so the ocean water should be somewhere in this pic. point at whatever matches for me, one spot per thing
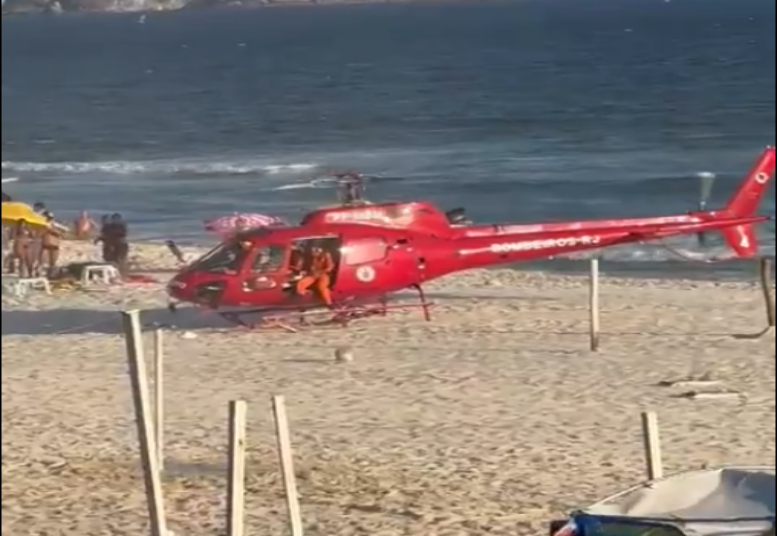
(519, 111)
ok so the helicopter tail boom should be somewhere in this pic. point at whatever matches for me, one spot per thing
(744, 204)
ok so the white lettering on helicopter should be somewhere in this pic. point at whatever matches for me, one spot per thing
(393, 215)
(548, 243)
(356, 215)
(762, 178)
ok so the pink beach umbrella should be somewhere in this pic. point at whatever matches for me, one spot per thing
(229, 225)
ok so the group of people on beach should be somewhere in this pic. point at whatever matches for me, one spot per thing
(34, 251)
(32, 247)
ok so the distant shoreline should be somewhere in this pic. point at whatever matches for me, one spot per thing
(13, 8)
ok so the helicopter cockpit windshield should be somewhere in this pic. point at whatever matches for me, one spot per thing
(225, 258)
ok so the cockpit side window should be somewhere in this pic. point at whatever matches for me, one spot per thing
(228, 257)
(268, 259)
(365, 250)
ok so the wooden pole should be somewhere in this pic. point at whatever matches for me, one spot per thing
(159, 397)
(236, 477)
(767, 265)
(139, 380)
(652, 442)
(287, 465)
(594, 305)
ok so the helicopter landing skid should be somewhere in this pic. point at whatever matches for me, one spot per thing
(276, 321)
(342, 315)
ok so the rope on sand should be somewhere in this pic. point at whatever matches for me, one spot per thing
(81, 328)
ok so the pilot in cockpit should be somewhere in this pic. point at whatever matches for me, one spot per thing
(268, 259)
(262, 261)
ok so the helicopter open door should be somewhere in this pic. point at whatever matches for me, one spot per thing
(301, 256)
(272, 271)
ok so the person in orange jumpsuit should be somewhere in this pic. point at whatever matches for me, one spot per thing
(319, 275)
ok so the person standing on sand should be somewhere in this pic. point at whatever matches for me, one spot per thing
(320, 275)
(113, 236)
(103, 238)
(49, 248)
(83, 226)
(21, 248)
(41, 209)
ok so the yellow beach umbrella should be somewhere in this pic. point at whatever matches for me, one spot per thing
(16, 212)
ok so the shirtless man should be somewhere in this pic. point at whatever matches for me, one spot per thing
(83, 226)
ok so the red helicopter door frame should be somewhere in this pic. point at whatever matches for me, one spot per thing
(267, 274)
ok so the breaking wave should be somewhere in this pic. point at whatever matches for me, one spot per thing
(160, 167)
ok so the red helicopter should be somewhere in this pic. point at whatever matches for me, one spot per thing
(373, 250)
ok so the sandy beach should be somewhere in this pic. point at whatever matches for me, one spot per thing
(492, 419)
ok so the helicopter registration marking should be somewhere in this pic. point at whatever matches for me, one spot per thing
(356, 216)
(365, 274)
(548, 243)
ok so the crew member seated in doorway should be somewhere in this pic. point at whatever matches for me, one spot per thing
(319, 276)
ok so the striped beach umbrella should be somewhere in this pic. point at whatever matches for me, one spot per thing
(229, 225)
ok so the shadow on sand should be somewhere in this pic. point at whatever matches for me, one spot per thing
(82, 321)
(86, 321)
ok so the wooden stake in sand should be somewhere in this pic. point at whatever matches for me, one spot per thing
(287, 465)
(593, 307)
(652, 440)
(137, 371)
(237, 471)
(767, 265)
(159, 397)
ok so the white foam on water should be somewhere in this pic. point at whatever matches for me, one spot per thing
(166, 167)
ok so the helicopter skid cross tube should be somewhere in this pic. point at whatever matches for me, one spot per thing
(342, 315)
(267, 322)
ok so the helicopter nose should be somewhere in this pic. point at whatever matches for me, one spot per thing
(178, 288)
(197, 288)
